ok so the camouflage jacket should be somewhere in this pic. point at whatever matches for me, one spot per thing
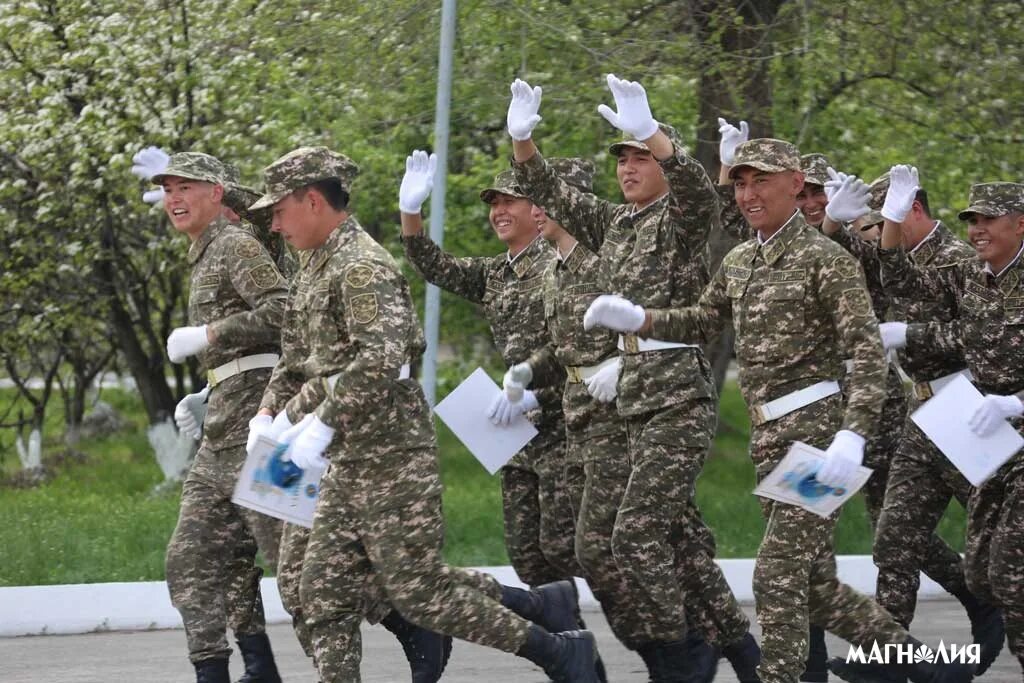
(655, 257)
(236, 290)
(800, 307)
(570, 285)
(511, 296)
(932, 298)
(988, 327)
(349, 327)
(238, 198)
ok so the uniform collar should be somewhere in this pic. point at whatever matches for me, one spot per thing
(574, 261)
(216, 227)
(523, 262)
(635, 214)
(1008, 277)
(775, 246)
(339, 237)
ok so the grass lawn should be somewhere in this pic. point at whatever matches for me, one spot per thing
(98, 520)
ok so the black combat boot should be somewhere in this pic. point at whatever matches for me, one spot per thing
(426, 651)
(258, 658)
(918, 672)
(553, 605)
(816, 666)
(744, 655)
(212, 671)
(602, 674)
(701, 659)
(565, 657)
(679, 661)
(987, 628)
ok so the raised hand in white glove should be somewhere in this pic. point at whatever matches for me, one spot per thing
(849, 200)
(834, 182)
(153, 196)
(604, 385)
(417, 182)
(515, 381)
(842, 459)
(149, 162)
(903, 187)
(307, 442)
(894, 335)
(615, 313)
(993, 410)
(185, 342)
(264, 425)
(190, 412)
(522, 110)
(634, 113)
(503, 411)
(731, 138)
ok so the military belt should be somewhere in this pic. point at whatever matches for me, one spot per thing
(581, 373)
(773, 410)
(925, 390)
(631, 343)
(240, 365)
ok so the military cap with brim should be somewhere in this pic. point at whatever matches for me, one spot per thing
(994, 199)
(815, 168)
(766, 154)
(504, 183)
(871, 218)
(301, 167)
(879, 187)
(193, 166)
(673, 135)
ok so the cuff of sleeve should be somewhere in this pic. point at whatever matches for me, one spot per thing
(658, 318)
(532, 166)
(915, 334)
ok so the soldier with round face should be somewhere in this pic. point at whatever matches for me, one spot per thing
(350, 336)
(800, 308)
(988, 331)
(812, 199)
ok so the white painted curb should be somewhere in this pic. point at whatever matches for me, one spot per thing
(88, 607)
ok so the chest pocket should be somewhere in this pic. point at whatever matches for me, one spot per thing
(321, 319)
(1013, 312)
(647, 240)
(784, 307)
(202, 302)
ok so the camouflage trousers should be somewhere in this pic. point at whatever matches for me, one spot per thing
(378, 519)
(922, 482)
(880, 449)
(211, 569)
(994, 558)
(539, 528)
(795, 578)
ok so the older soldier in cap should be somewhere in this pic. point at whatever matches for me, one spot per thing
(236, 301)
(653, 249)
(988, 330)
(350, 336)
(800, 308)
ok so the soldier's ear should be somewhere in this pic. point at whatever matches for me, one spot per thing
(1018, 228)
(218, 192)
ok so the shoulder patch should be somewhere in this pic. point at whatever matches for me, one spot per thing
(846, 266)
(265, 276)
(247, 248)
(856, 302)
(359, 275)
(364, 308)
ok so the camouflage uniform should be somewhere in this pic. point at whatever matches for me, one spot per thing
(539, 527)
(988, 330)
(800, 307)
(350, 327)
(238, 292)
(598, 444)
(654, 256)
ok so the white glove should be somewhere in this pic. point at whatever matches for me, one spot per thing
(849, 200)
(634, 113)
(503, 410)
(515, 381)
(149, 162)
(187, 414)
(731, 138)
(270, 427)
(417, 182)
(842, 459)
(153, 196)
(615, 313)
(903, 187)
(307, 442)
(834, 182)
(993, 410)
(604, 385)
(894, 335)
(185, 342)
(522, 110)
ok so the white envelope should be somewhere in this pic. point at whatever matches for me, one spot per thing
(793, 482)
(464, 410)
(254, 489)
(943, 418)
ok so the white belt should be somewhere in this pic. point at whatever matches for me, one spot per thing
(581, 373)
(630, 343)
(403, 373)
(925, 390)
(773, 410)
(240, 365)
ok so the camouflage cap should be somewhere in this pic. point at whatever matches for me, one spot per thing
(193, 166)
(504, 183)
(576, 171)
(994, 199)
(628, 141)
(815, 168)
(871, 218)
(301, 167)
(766, 154)
(879, 187)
